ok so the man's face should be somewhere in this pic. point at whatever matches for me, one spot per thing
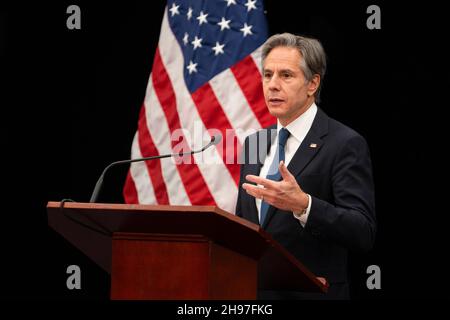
(286, 91)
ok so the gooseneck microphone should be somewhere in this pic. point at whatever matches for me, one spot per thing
(214, 140)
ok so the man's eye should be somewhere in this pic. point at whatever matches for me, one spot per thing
(267, 75)
(286, 75)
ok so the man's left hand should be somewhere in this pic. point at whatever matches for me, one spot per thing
(285, 194)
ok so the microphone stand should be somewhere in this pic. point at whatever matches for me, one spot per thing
(214, 140)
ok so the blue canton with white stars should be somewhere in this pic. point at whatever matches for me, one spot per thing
(214, 35)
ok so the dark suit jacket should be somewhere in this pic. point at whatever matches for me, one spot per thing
(337, 174)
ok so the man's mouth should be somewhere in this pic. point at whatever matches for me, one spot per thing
(275, 101)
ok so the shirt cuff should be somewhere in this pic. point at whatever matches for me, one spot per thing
(304, 217)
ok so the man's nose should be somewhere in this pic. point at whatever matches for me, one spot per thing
(274, 83)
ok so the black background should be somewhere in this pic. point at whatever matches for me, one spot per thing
(70, 101)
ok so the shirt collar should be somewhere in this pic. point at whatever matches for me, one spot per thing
(300, 126)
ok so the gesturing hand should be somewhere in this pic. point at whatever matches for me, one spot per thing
(285, 194)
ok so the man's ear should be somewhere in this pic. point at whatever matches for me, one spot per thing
(313, 85)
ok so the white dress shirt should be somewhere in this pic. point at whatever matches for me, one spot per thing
(298, 129)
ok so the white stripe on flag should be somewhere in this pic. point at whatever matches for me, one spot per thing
(141, 178)
(256, 55)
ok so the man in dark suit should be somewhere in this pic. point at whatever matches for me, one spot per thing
(322, 204)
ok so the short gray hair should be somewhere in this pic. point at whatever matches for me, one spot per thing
(313, 59)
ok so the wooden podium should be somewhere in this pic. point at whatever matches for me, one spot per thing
(179, 252)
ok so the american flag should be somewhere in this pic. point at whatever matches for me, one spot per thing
(206, 77)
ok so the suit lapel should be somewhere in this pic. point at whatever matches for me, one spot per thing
(305, 153)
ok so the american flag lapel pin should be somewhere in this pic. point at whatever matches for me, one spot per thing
(313, 145)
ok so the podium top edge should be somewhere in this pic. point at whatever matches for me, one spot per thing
(150, 207)
(121, 206)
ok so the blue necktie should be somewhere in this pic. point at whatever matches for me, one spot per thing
(274, 173)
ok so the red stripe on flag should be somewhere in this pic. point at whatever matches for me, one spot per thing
(249, 79)
(148, 149)
(196, 187)
(213, 116)
(129, 190)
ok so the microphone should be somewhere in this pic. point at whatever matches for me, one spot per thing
(214, 141)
